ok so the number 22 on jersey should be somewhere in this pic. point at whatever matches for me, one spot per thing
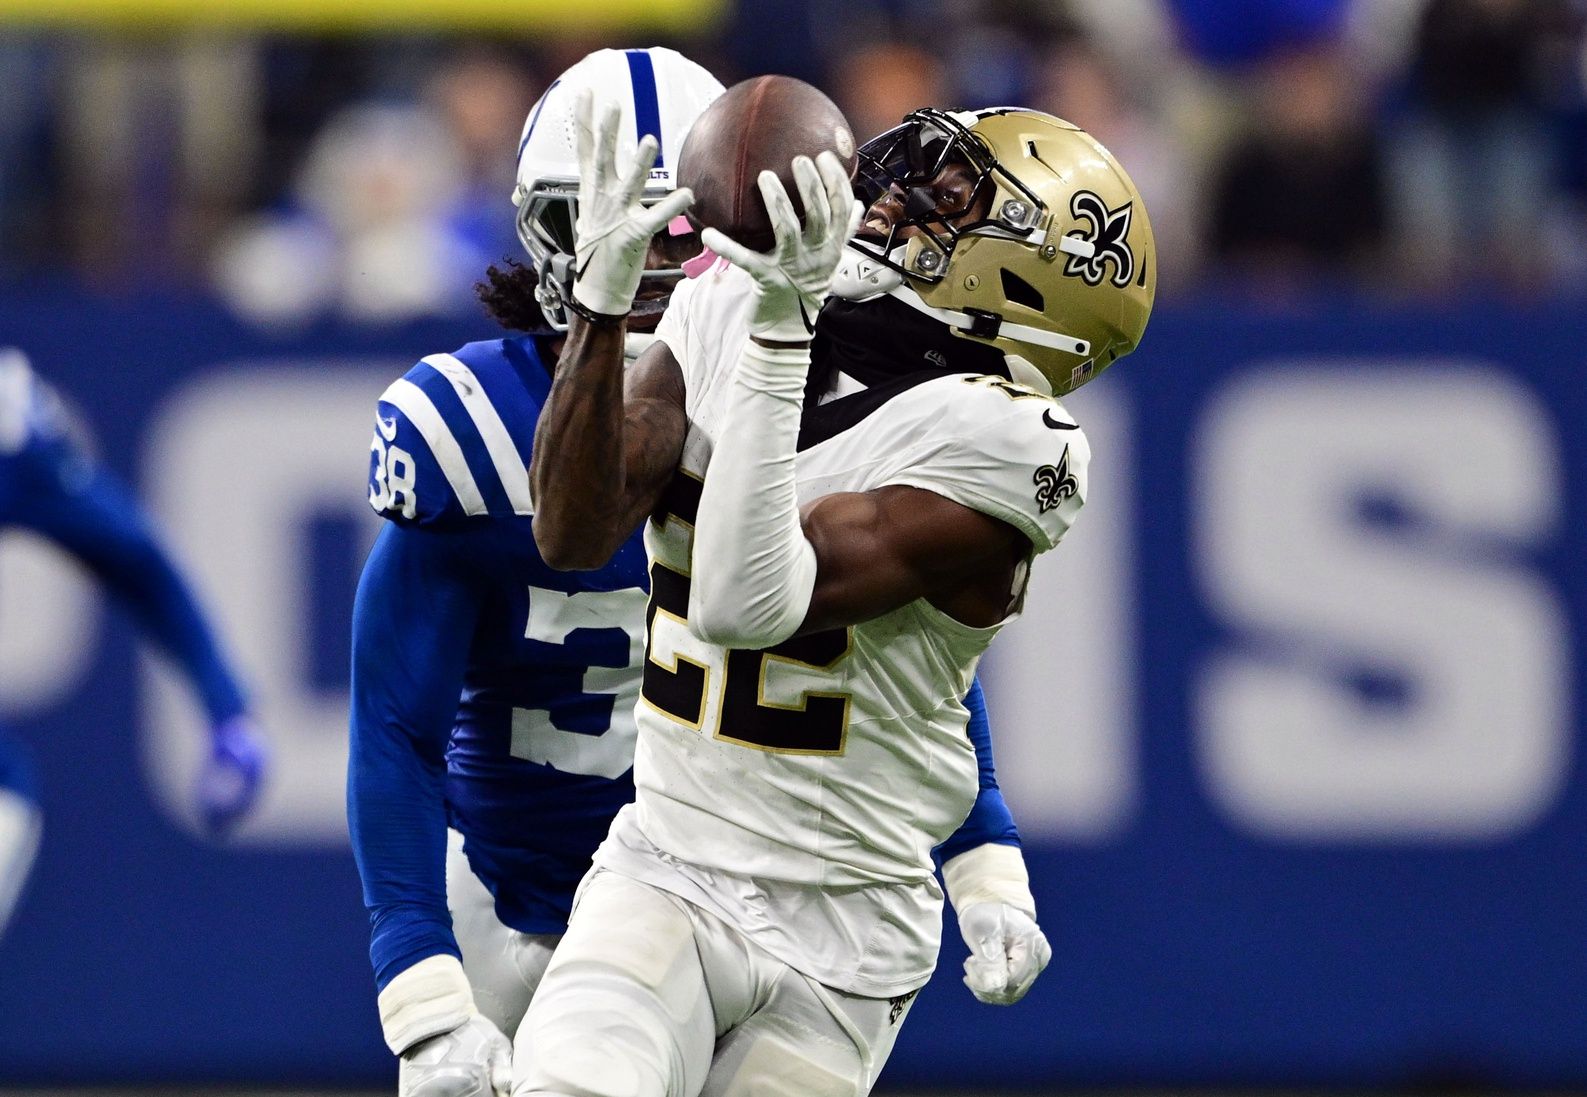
(799, 718)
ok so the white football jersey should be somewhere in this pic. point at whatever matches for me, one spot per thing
(803, 788)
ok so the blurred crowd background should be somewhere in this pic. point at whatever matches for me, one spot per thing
(1422, 148)
(1295, 731)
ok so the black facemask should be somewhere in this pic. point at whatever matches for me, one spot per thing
(883, 339)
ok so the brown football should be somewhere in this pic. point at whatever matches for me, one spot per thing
(757, 125)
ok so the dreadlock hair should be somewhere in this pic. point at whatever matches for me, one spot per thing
(508, 294)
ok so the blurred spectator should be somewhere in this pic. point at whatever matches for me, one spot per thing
(28, 92)
(995, 55)
(1080, 84)
(1251, 130)
(1246, 32)
(398, 207)
(876, 85)
(1000, 46)
(157, 145)
(482, 97)
(1300, 195)
(1470, 151)
(367, 232)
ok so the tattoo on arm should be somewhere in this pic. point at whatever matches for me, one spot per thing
(603, 449)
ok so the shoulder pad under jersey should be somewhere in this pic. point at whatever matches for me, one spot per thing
(1004, 450)
(453, 435)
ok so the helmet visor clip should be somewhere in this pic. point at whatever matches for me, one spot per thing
(1017, 214)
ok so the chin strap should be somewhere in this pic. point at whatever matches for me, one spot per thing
(989, 325)
(862, 277)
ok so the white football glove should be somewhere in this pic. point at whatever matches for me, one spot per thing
(444, 1047)
(614, 227)
(1007, 951)
(792, 280)
(472, 1060)
(990, 890)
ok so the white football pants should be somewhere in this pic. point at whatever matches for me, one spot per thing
(503, 966)
(650, 996)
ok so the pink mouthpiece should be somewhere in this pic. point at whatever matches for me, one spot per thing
(693, 268)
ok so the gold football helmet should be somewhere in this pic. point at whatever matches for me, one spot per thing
(1046, 252)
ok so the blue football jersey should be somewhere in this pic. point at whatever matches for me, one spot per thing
(541, 666)
(50, 484)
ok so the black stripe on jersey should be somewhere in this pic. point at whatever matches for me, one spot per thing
(823, 421)
(680, 500)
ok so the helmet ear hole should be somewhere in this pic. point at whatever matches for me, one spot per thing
(1021, 292)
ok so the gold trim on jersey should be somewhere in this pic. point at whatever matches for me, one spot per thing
(677, 657)
(1012, 389)
(803, 705)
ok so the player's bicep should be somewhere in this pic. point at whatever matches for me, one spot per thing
(882, 549)
(413, 619)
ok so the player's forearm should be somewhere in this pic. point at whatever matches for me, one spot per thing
(989, 821)
(757, 590)
(105, 529)
(576, 474)
(397, 820)
(413, 617)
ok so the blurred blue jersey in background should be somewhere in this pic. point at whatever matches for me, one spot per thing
(50, 485)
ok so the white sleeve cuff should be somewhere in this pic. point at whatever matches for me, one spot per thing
(989, 873)
(427, 999)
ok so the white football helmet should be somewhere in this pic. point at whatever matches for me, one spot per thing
(660, 92)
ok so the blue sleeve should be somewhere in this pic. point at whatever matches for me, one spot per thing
(94, 517)
(989, 820)
(413, 619)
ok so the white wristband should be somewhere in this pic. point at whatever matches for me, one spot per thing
(427, 999)
(754, 569)
(989, 873)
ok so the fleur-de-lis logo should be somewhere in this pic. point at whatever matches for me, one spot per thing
(1110, 230)
(1055, 483)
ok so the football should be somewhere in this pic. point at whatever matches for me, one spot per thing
(757, 125)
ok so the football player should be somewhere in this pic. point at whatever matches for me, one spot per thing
(492, 693)
(50, 486)
(830, 556)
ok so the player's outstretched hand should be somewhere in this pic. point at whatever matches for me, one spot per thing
(229, 783)
(1007, 951)
(472, 1060)
(614, 226)
(793, 278)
